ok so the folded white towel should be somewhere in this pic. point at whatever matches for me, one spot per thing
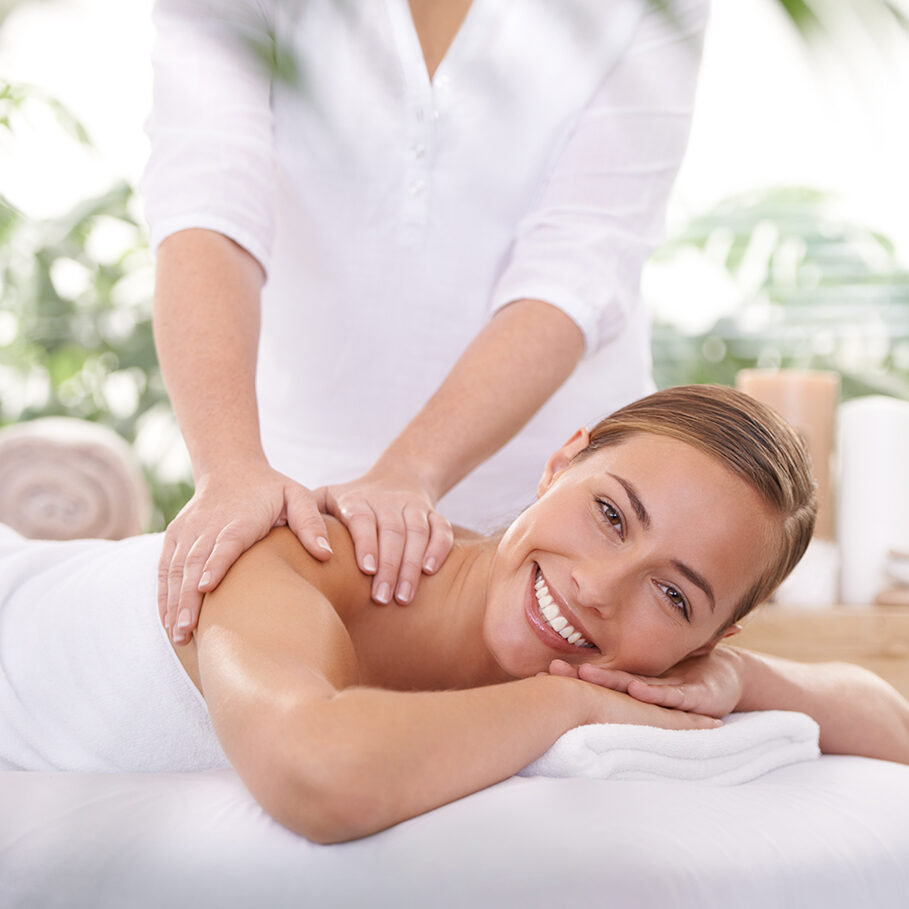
(747, 746)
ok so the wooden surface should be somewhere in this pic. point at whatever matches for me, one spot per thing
(876, 637)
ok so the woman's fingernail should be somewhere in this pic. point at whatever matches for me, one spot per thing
(369, 562)
(383, 594)
(183, 621)
(404, 592)
(324, 544)
(429, 566)
(203, 581)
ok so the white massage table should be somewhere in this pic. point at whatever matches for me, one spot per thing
(827, 833)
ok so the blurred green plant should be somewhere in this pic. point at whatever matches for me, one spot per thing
(75, 318)
(805, 287)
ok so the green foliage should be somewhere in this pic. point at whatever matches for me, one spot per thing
(809, 289)
(75, 316)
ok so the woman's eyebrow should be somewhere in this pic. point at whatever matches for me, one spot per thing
(697, 579)
(644, 517)
(633, 497)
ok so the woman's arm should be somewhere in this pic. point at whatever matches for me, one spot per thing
(334, 761)
(857, 711)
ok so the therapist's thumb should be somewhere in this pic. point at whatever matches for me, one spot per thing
(304, 519)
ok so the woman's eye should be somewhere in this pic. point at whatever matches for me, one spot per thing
(612, 516)
(676, 598)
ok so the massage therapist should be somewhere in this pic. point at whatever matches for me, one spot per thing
(406, 275)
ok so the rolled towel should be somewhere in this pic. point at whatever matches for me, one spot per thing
(63, 478)
(746, 746)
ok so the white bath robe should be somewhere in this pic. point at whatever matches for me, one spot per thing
(394, 214)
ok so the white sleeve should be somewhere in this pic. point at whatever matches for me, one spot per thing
(211, 163)
(603, 208)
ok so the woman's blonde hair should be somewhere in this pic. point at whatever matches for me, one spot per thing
(751, 440)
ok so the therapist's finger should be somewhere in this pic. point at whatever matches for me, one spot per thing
(186, 614)
(164, 560)
(174, 585)
(303, 517)
(361, 523)
(441, 539)
(392, 533)
(416, 526)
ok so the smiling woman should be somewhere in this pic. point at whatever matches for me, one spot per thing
(649, 537)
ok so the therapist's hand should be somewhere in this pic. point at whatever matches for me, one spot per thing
(225, 516)
(396, 531)
(711, 684)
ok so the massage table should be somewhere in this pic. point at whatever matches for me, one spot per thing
(828, 832)
(831, 833)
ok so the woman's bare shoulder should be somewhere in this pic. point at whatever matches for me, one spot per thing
(463, 534)
(339, 578)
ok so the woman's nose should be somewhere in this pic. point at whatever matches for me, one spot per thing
(598, 586)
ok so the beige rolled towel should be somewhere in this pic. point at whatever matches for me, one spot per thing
(63, 478)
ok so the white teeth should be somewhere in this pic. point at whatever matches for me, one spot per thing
(554, 618)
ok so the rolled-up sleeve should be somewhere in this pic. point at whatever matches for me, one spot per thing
(211, 163)
(603, 208)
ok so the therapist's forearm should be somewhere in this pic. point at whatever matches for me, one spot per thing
(206, 324)
(506, 374)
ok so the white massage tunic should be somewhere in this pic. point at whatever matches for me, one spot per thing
(394, 215)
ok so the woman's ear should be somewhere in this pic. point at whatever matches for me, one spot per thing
(560, 459)
(705, 649)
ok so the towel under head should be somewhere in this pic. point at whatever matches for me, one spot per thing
(745, 747)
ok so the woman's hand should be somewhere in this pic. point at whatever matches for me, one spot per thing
(611, 706)
(396, 531)
(225, 516)
(711, 684)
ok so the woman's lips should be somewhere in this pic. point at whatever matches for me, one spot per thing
(550, 638)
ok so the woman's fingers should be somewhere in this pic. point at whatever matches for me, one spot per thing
(615, 679)
(674, 696)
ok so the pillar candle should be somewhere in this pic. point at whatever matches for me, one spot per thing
(808, 400)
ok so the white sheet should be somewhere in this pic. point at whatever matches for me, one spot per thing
(830, 833)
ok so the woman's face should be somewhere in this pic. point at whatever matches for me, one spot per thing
(644, 548)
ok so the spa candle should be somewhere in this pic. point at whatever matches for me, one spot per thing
(808, 400)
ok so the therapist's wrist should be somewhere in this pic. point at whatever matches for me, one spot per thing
(411, 471)
(229, 465)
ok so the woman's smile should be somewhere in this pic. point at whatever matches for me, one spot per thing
(550, 617)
